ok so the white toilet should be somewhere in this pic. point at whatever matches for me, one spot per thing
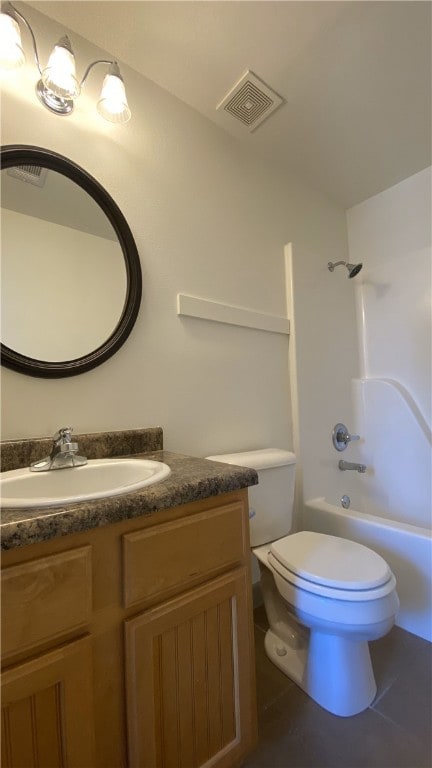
(325, 597)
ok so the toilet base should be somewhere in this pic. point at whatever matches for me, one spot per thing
(291, 661)
(335, 671)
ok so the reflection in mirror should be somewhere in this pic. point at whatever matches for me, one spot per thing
(63, 272)
(70, 271)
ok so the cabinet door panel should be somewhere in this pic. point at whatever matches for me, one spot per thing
(189, 693)
(47, 710)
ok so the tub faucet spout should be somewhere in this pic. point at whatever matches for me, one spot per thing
(343, 465)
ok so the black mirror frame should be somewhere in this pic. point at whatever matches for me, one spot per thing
(13, 155)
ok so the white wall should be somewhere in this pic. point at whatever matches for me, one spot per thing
(209, 219)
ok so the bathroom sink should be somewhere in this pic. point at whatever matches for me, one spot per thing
(97, 479)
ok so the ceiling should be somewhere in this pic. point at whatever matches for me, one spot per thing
(355, 77)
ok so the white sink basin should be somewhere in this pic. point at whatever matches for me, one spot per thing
(97, 479)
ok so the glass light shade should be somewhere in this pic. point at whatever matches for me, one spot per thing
(112, 104)
(11, 52)
(59, 76)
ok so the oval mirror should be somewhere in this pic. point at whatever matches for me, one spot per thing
(70, 270)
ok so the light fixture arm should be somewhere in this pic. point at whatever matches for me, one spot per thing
(90, 66)
(14, 12)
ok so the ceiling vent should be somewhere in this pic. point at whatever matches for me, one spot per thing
(251, 101)
(32, 174)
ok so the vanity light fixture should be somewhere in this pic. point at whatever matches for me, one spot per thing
(58, 86)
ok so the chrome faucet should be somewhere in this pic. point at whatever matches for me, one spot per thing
(343, 465)
(64, 453)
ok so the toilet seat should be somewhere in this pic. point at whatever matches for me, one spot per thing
(331, 566)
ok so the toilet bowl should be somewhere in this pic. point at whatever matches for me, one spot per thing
(344, 596)
(325, 597)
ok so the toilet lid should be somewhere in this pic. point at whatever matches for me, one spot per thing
(331, 561)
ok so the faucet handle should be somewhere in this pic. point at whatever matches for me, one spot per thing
(350, 438)
(63, 440)
(64, 433)
(341, 437)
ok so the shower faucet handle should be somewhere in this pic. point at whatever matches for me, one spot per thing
(341, 437)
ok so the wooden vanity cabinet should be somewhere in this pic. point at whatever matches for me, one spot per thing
(131, 646)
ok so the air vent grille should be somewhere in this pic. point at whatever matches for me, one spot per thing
(251, 101)
(248, 104)
(32, 174)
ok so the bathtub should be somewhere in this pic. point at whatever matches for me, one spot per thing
(406, 548)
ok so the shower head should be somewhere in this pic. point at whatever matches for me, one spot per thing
(353, 269)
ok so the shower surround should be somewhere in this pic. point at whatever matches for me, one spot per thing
(361, 354)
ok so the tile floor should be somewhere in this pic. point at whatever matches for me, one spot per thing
(394, 732)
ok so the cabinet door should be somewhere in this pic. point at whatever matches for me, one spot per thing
(190, 678)
(47, 710)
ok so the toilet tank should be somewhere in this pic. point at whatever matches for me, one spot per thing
(271, 502)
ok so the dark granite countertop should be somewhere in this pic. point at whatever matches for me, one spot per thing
(191, 479)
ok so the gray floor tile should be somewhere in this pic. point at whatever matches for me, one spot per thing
(300, 734)
(402, 664)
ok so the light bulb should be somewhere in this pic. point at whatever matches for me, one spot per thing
(112, 104)
(11, 52)
(59, 76)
